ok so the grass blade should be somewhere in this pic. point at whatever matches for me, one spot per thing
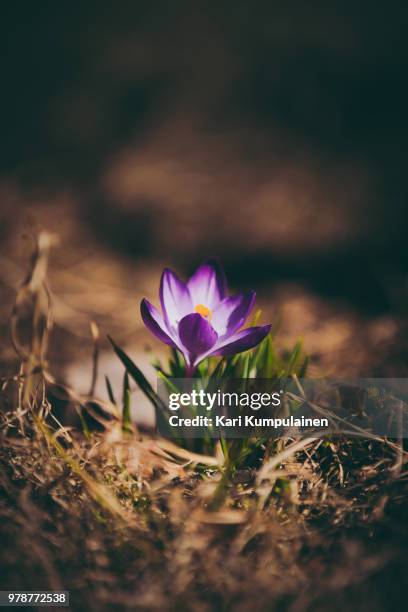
(142, 382)
(110, 391)
(126, 420)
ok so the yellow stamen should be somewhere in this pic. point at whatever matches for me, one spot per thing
(203, 311)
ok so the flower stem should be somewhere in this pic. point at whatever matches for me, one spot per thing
(222, 488)
(190, 369)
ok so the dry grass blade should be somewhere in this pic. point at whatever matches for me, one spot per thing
(34, 296)
(220, 517)
(268, 471)
(98, 491)
(95, 356)
(189, 456)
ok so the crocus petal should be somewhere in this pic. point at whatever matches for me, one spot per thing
(241, 341)
(197, 335)
(174, 297)
(154, 322)
(208, 285)
(232, 313)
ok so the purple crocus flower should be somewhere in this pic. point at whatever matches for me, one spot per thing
(199, 318)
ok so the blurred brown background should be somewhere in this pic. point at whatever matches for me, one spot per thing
(149, 134)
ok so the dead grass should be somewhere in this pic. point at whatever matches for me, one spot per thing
(123, 523)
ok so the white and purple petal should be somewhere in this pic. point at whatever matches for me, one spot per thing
(196, 335)
(240, 341)
(232, 313)
(174, 297)
(155, 323)
(208, 285)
